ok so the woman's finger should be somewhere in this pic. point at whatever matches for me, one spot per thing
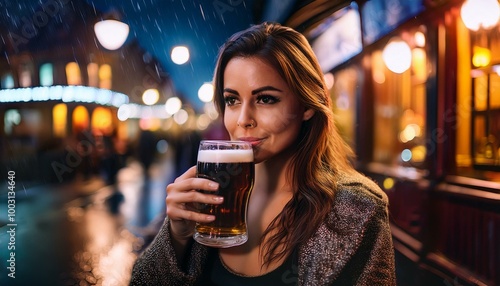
(186, 214)
(190, 184)
(193, 197)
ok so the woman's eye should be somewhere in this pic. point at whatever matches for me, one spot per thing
(267, 99)
(230, 100)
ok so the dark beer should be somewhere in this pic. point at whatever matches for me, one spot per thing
(234, 171)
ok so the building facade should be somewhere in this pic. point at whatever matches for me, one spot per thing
(417, 96)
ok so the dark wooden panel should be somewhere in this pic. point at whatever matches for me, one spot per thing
(466, 230)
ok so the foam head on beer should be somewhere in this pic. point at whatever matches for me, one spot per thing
(226, 156)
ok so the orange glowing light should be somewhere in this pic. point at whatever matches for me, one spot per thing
(105, 76)
(73, 75)
(80, 118)
(59, 115)
(481, 57)
(102, 120)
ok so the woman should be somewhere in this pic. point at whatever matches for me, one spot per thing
(313, 220)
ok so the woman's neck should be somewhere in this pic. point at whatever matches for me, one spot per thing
(273, 176)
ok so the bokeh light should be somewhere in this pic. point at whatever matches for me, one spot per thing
(180, 55)
(173, 105)
(206, 92)
(397, 56)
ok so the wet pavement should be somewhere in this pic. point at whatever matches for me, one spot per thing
(82, 233)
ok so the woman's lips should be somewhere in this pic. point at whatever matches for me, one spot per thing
(252, 140)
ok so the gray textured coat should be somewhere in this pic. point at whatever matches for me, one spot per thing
(352, 247)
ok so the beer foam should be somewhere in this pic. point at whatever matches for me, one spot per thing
(226, 156)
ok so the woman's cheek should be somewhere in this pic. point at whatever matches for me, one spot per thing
(282, 121)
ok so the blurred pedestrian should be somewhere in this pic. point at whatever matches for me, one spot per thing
(146, 150)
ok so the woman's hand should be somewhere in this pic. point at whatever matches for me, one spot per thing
(182, 195)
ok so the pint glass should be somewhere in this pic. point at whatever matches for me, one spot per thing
(230, 163)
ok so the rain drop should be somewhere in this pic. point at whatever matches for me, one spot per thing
(157, 25)
(202, 13)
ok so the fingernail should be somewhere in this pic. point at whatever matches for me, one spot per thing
(218, 199)
(210, 217)
(213, 185)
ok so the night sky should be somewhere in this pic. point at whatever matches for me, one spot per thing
(157, 25)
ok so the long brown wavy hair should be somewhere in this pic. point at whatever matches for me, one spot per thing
(321, 153)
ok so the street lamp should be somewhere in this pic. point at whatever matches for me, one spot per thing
(206, 92)
(480, 14)
(180, 55)
(173, 105)
(397, 55)
(150, 96)
(111, 34)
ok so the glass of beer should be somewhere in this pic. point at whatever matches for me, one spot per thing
(230, 163)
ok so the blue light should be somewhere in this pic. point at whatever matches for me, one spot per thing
(46, 74)
(7, 81)
(64, 93)
(406, 155)
(40, 94)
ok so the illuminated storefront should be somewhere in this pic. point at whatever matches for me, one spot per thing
(417, 95)
(55, 94)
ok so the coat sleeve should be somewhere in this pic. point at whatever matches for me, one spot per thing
(373, 261)
(158, 265)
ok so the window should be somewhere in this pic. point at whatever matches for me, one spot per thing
(105, 76)
(102, 120)
(59, 120)
(337, 38)
(12, 118)
(80, 119)
(73, 75)
(46, 74)
(343, 95)
(485, 100)
(93, 72)
(399, 108)
(23, 123)
(25, 74)
(7, 81)
(381, 16)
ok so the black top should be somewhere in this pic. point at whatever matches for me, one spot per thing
(216, 273)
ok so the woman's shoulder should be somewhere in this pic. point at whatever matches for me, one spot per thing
(357, 198)
(356, 186)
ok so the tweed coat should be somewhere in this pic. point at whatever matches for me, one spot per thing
(353, 246)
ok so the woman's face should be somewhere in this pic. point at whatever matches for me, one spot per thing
(260, 108)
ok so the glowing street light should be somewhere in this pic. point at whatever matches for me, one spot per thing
(173, 105)
(150, 96)
(111, 34)
(480, 14)
(181, 116)
(397, 56)
(206, 92)
(180, 55)
(481, 56)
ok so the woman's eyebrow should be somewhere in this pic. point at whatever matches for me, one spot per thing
(265, 88)
(230, 90)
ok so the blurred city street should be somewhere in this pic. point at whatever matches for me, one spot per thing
(104, 103)
(83, 232)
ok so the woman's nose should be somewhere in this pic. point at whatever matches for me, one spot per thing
(249, 124)
(245, 119)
